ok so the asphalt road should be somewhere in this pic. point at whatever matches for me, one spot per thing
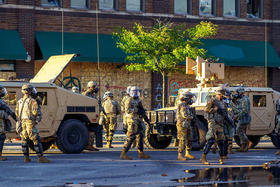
(105, 168)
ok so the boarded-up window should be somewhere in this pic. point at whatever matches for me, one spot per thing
(82, 4)
(134, 5)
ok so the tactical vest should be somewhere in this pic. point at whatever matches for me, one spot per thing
(111, 107)
(26, 110)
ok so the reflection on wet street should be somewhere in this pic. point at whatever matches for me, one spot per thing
(238, 176)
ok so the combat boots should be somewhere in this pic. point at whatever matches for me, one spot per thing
(109, 145)
(188, 155)
(124, 156)
(203, 159)
(278, 152)
(230, 151)
(181, 157)
(221, 160)
(141, 154)
(243, 148)
(2, 158)
(27, 159)
(43, 159)
(176, 143)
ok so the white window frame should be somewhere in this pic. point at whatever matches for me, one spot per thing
(142, 7)
(51, 5)
(237, 9)
(213, 9)
(114, 5)
(86, 7)
(260, 15)
(189, 8)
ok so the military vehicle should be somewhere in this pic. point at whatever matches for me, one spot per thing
(263, 110)
(67, 116)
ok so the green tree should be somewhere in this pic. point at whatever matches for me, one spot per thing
(162, 47)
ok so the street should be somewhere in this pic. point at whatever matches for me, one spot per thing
(104, 168)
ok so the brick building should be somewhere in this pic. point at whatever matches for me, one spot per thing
(50, 27)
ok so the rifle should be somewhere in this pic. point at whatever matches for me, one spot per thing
(224, 113)
(195, 119)
(4, 107)
(142, 113)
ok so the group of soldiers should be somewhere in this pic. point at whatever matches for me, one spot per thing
(27, 115)
(224, 114)
(131, 107)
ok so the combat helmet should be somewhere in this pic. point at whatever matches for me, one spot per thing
(3, 91)
(26, 88)
(240, 90)
(188, 97)
(91, 84)
(134, 92)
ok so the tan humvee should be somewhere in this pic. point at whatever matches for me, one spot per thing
(67, 116)
(263, 110)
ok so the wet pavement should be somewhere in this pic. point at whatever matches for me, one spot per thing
(105, 168)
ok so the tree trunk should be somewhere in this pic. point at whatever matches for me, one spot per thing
(164, 96)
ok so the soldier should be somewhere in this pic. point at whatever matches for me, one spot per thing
(228, 128)
(126, 96)
(184, 133)
(75, 89)
(278, 120)
(91, 91)
(111, 110)
(27, 111)
(134, 107)
(34, 95)
(5, 123)
(215, 118)
(243, 103)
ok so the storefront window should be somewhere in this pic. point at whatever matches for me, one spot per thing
(182, 6)
(134, 5)
(231, 8)
(206, 7)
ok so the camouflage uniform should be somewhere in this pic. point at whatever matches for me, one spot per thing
(112, 109)
(90, 93)
(228, 129)
(243, 104)
(135, 128)
(215, 127)
(27, 112)
(3, 116)
(184, 131)
(278, 120)
(123, 111)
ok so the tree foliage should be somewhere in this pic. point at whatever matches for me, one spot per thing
(162, 47)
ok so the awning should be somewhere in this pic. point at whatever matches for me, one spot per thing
(11, 46)
(79, 43)
(242, 53)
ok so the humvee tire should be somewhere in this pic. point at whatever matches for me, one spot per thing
(275, 138)
(72, 136)
(254, 139)
(45, 145)
(152, 141)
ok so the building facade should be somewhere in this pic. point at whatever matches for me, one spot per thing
(248, 40)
